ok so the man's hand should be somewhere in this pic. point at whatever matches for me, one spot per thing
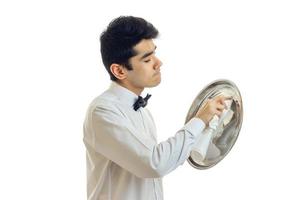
(212, 107)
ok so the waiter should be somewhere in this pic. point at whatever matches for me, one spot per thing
(124, 159)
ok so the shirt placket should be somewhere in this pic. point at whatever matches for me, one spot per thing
(144, 125)
(150, 135)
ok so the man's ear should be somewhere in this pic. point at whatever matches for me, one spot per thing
(119, 71)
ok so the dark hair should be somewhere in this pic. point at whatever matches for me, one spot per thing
(118, 40)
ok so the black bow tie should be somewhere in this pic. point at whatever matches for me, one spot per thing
(141, 102)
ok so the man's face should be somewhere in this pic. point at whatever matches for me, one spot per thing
(146, 66)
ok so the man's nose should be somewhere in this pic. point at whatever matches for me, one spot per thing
(158, 63)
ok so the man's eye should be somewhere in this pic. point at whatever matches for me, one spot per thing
(146, 61)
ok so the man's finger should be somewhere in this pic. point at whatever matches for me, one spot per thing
(221, 100)
(221, 107)
(218, 113)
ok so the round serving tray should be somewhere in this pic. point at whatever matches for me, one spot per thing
(225, 136)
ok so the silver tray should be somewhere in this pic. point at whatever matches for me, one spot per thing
(225, 136)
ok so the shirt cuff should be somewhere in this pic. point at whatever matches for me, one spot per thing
(195, 126)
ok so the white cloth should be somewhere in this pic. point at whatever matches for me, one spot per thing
(124, 160)
(215, 129)
(200, 149)
(224, 119)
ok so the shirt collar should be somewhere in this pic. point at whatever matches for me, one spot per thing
(123, 94)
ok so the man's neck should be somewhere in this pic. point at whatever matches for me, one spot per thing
(137, 91)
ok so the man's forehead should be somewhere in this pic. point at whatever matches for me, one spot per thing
(144, 46)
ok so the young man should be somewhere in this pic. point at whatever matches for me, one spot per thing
(124, 160)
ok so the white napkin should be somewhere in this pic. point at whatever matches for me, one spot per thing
(199, 150)
(214, 129)
(223, 120)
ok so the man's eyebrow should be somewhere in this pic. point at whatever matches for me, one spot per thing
(148, 54)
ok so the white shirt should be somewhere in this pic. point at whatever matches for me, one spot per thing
(124, 160)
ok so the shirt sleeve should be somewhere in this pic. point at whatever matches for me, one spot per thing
(114, 137)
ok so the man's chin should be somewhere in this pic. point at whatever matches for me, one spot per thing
(154, 84)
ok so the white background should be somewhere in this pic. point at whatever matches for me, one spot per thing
(51, 70)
